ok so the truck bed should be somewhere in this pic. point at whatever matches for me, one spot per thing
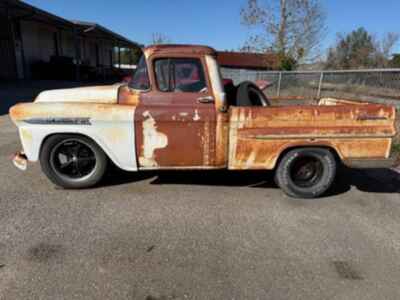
(354, 130)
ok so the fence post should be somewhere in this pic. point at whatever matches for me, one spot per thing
(321, 79)
(278, 92)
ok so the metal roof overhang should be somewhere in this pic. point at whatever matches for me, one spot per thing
(97, 31)
(22, 11)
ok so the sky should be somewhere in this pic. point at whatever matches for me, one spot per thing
(213, 22)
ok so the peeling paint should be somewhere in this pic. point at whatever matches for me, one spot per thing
(128, 96)
(216, 82)
(196, 116)
(152, 140)
(181, 49)
(258, 136)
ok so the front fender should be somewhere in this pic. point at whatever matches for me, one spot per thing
(111, 126)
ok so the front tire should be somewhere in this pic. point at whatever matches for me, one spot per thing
(306, 172)
(72, 161)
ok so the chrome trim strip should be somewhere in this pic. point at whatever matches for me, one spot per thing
(58, 121)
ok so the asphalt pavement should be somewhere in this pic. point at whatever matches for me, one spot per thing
(195, 235)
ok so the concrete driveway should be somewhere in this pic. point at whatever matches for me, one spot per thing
(195, 235)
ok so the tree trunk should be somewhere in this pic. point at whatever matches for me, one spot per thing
(282, 27)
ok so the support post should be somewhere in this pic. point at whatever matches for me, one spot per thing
(10, 31)
(114, 54)
(119, 56)
(278, 92)
(77, 55)
(321, 80)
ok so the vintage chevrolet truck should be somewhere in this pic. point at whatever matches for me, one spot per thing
(177, 113)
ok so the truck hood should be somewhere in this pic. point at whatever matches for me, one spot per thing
(96, 94)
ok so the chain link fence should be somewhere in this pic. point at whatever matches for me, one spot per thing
(379, 85)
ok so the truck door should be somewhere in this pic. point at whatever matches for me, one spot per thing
(175, 122)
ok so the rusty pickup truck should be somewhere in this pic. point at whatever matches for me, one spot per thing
(177, 112)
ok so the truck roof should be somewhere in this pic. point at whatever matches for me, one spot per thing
(179, 49)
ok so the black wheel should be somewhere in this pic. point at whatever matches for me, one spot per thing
(306, 172)
(248, 94)
(72, 161)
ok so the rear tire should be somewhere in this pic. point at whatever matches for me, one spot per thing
(72, 161)
(306, 172)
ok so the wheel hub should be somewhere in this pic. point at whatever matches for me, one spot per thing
(306, 171)
(73, 159)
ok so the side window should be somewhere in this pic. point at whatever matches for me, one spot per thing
(180, 75)
(140, 80)
(162, 73)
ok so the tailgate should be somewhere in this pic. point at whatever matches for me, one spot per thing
(258, 135)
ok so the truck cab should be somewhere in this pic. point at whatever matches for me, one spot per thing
(180, 109)
(176, 113)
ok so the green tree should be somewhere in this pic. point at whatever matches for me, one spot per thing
(395, 61)
(360, 49)
(287, 63)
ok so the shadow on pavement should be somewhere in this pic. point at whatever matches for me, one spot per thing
(209, 177)
(371, 180)
(368, 180)
(116, 176)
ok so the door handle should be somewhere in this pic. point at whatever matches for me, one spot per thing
(206, 99)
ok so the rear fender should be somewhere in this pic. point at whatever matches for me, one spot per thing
(258, 136)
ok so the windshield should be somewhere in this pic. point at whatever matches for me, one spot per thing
(140, 80)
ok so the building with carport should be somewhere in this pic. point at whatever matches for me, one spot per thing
(37, 44)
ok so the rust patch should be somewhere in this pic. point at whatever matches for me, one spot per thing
(263, 154)
(127, 96)
(222, 142)
(178, 50)
(317, 132)
(189, 125)
(259, 136)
